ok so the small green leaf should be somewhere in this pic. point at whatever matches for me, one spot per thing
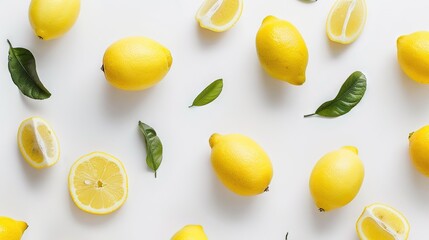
(349, 96)
(209, 94)
(22, 68)
(153, 147)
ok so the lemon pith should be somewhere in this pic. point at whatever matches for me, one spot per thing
(381, 222)
(219, 15)
(98, 183)
(38, 143)
(336, 178)
(346, 20)
(51, 19)
(136, 63)
(282, 51)
(240, 164)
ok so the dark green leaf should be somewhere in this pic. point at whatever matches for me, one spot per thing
(210, 93)
(22, 68)
(348, 97)
(153, 147)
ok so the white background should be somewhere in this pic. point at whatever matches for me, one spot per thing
(88, 115)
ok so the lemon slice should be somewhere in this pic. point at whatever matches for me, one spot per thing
(38, 143)
(346, 20)
(98, 183)
(219, 15)
(381, 222)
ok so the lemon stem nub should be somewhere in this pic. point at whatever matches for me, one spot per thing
(267, 189)
(102, 68)
(410, 134)
(321, 210)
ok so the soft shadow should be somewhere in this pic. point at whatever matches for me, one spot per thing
(275, 90)
(323, 221)
(32, 104)
(415, 92)
(34, 176)
(119, 102)
(89, 219)
(229, 203)
(337, 48)
(419, 182)
(208, 37)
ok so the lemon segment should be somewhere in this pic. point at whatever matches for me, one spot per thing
(346, 20)
(38, 143)
(51, 19)
(11, 229)
(98, 183)
(190, 232)
(219, 15)
(381, 222)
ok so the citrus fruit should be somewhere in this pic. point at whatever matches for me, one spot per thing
(11, 229)
(240, 164)
(53, 18)
(381, 222)
(336, 178)
(419, 149)
(219, 15)
(136, 63)
(346, 20)
(282, 51)
(190, 232)
(38, 143)
(413, 56)
(98, 183)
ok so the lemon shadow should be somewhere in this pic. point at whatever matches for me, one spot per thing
(208, 37)
(35, 177)
(415, 92)
(337, 49)
(275, 90)
(323, 221)
(118, 103)
(88, 219)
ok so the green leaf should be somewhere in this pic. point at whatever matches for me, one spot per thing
(22, 68)
(209, 94)
(349, 96)
(153, 147)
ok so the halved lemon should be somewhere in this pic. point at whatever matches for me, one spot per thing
(346, 20)
(38, 143)
(219, 15)
(381, 222)
(98, 183)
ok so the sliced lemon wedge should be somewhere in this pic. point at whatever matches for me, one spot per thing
(381, 222)
(346, 20)
(98, 183)
(219, 15)
(38, 143)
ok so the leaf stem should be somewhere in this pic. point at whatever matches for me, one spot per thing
(309, 115)
(10, 44)
(155, 174)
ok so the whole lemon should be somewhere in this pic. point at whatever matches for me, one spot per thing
(52, 18)
(190, 232)
(11, 229)
(240, 164)
(282, 51)
(413, 56)
(136, 63)
(336, 178)
(419, 149)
